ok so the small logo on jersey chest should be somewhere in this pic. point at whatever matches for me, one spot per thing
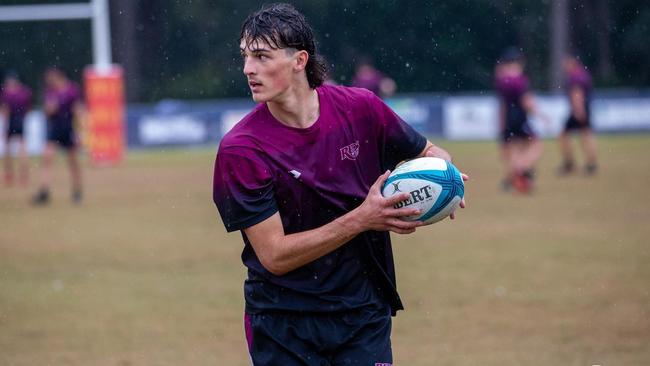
(296, 174)
(351, 151)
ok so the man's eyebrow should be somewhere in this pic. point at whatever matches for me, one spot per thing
(255, 50)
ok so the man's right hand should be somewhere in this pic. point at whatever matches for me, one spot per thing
(378, 213)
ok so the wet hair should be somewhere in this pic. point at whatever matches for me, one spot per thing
(283, 26)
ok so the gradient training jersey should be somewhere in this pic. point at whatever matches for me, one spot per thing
(65, 100)
(311, 176)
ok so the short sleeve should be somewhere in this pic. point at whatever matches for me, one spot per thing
(399, 141)
(242, 189)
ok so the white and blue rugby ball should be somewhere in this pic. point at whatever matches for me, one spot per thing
(435, 187)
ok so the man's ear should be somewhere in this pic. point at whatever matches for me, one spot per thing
(301, 60)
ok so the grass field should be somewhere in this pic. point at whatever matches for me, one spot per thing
(143, 273)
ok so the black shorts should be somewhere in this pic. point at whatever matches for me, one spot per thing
(63, 136)
(15, 127)
(359, 337)
(572, 124)
(518, 131)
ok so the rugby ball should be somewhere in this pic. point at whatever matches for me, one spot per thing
(435, 187)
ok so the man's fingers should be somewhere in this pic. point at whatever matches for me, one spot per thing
(404, 227)
(401, 212)
(402, 231)
(401, 224)
(380, 181)
(393, 200)
(462, 205)
(464, 176)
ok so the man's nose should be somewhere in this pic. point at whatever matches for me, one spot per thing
(248, 67)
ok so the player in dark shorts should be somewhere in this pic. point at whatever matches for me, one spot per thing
(15, 102)
(300, 177)
(578, 87)
(63, 105)
(520, 147)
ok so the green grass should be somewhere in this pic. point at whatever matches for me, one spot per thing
(143, 272)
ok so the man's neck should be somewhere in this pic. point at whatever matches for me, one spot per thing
(299, 108)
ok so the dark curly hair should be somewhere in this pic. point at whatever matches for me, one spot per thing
(283, 26)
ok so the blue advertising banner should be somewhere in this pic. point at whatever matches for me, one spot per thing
(464, 117)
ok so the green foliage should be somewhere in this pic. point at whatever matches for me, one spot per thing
(630, 41)
(29, 48)
(188, 49)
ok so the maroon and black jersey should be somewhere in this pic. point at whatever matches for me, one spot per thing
(311, 176)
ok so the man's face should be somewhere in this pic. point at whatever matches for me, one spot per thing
(269, 71)
(11, 83)
(53, 79)
(569, 64)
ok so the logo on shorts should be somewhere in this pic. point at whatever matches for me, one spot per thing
(351, 151)
(383, 364)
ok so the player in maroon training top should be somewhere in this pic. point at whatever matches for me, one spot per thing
(15, 102)
(368, 77)
(578, 88)
(300, 177)
(520, 147)
(63, 105)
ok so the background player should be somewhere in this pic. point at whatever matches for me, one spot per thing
(321, 281)
(15, 102)
(578, 88)
(520, 147)
(63, 105)
(368, 77)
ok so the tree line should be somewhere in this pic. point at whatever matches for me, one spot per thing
(187, 49)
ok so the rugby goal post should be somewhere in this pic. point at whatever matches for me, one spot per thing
(103, 81)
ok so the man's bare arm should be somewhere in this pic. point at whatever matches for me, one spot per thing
(280, 253)
(432, 150)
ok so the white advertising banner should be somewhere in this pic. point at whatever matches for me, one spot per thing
(550, 116)
(476, 118)
(621, 114)
(173, 129)
(470, 118)
(230, 118)
(34, 134)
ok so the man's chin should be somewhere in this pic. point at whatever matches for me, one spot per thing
(259, 98)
